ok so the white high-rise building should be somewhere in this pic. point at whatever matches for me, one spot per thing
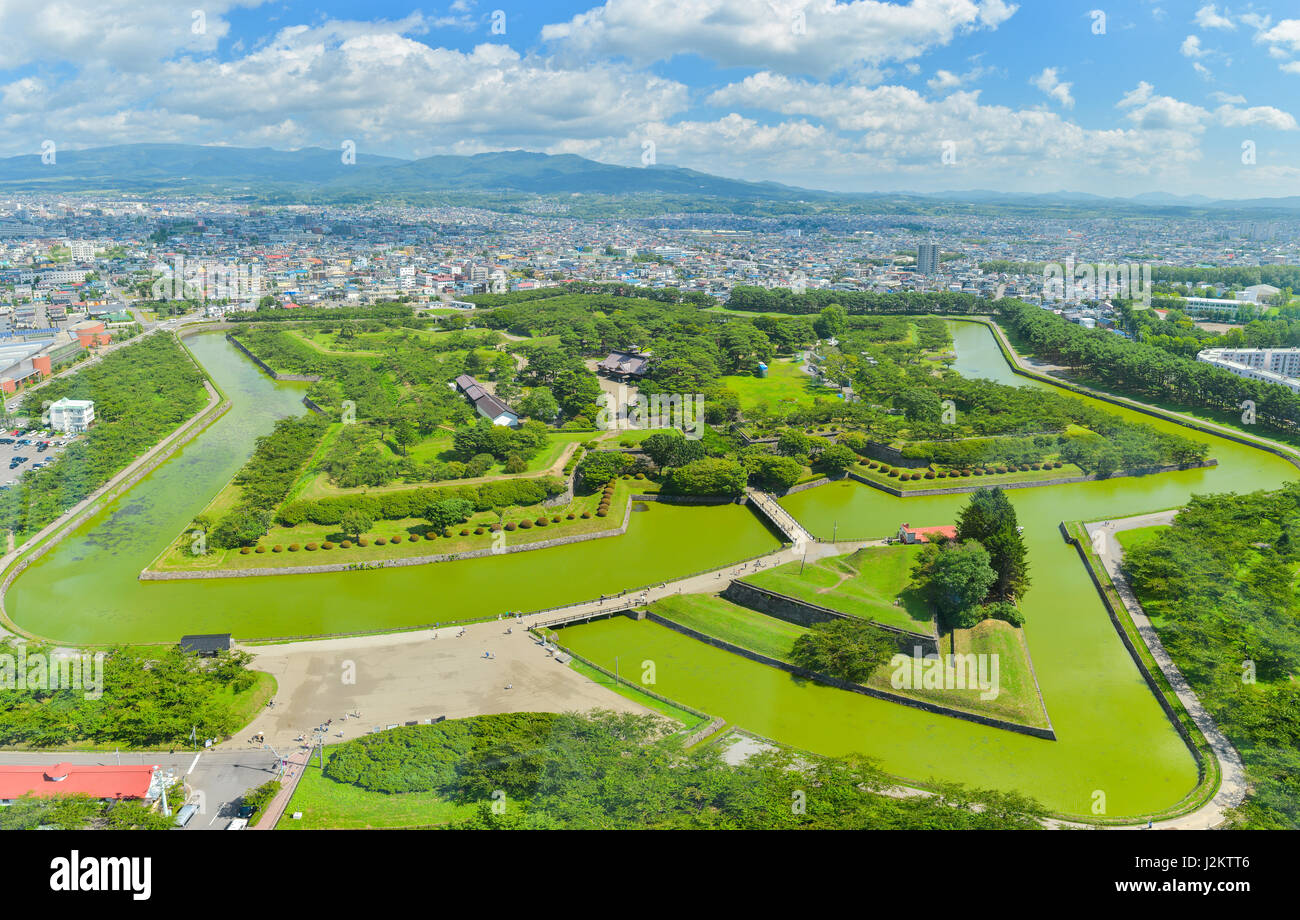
(72, 415)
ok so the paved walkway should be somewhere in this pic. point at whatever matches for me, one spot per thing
(1233, 786)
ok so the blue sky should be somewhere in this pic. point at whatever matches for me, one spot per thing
(928, 95)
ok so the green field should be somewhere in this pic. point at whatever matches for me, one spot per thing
(786, 385)
(1131, 538)
(722, 619)
(328, 804)
(871, 583)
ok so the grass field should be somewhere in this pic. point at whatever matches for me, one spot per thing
(786, 385)
(327, 804)
(870, 583)
(717, 617)
(438, 446)
(1131, 538)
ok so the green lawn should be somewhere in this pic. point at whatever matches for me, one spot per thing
(326, 804)
(722, 619)
(1131, 538)
(871, 583)
(786, 385)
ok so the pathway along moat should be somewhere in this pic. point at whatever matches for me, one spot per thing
(1115, 748)
(1114, 741)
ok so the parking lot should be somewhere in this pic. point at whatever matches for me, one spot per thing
(28, 445)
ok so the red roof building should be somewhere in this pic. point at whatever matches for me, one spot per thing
(908, 534)
(100, 782)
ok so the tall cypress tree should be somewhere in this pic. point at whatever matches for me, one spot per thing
(990, 518)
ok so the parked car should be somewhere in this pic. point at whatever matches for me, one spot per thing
(185, 814)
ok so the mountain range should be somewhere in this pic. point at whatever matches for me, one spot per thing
(321, 175)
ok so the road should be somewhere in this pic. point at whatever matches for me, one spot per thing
(216, 780)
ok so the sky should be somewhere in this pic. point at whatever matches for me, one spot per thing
(1106, 97)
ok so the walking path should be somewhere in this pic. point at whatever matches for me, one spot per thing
(1233, 785)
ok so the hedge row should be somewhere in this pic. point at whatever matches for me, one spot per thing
(412, 503)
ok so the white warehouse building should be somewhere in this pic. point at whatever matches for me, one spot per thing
(1268, 365)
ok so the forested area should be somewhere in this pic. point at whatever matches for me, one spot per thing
(142, 392)
(784, 300)
(1220, 587)
(607, 770)
(1147, 370)
(149, 697)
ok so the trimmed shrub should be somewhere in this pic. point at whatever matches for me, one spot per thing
(495, 527)
(293, 547)
(380, 541)
(602, 513)
(260, 548)
(362, 541)
(464, 532)
(327, 545)
(396, 538)
(555, 519)
(542, 521)
(930, 475)
(415, 537)
(346, 544)
(570, 516)
(311, 547)
(586, 515)
(244, 551)
(525, 525)
(478, 531)
(510, 525)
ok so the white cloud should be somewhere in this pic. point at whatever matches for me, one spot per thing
(819, 37)
(126, 34)
(1191, 47)
(1207, 17)
(1202, 70)
(1264, 116)
(1285, 34)
(1162, 113)
(1048, 82)
(1228, 98)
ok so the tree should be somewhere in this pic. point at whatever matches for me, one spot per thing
(793, 443)
(442, 514)
(539, 404)
(954, 576)
(356, 522)
(671, 448)
(850, 649)
(990, 519)
(836, 459)
(241, 527)
(405, 433)
(831, 322)
(710, 476)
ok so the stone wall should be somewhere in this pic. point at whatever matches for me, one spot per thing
(982, 482)
(802, 613)
(301, 378)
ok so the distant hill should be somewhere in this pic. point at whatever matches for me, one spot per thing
(318, 175)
